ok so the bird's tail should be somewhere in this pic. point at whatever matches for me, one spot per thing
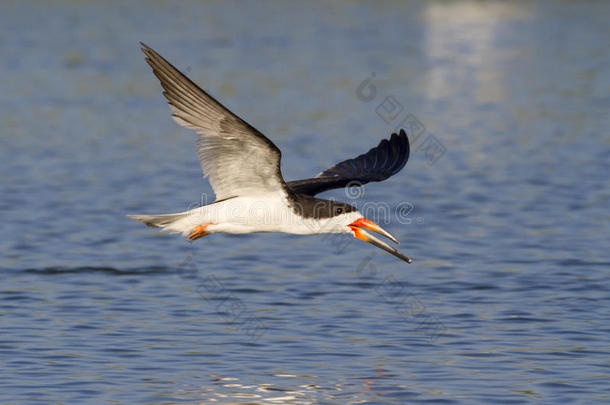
(174, 223)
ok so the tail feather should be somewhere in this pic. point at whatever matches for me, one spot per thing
(158, 221)
(182, 222)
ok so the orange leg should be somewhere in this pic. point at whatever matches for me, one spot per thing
(199, 232)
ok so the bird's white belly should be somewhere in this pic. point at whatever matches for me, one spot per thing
(264, 213)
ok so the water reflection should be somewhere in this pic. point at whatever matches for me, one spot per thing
(299, 389)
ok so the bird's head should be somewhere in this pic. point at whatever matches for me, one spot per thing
(345, 218)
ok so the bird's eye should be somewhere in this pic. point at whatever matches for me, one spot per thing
(339, 210)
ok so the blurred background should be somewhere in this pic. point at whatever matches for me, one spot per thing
(507, 189)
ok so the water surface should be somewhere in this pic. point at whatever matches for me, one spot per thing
(507, 301)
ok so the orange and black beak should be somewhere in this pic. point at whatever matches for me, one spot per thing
(359, 227)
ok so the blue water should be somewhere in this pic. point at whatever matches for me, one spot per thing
(504, 205)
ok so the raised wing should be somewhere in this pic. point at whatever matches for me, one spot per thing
(237, 159)
(379, 163)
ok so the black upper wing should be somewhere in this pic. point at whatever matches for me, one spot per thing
(379, 163)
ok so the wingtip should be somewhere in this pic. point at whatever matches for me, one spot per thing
(147, 50)
(402, 149)
(398, 134)
(403, 134)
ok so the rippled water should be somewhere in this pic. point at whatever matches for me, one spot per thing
(507, 192)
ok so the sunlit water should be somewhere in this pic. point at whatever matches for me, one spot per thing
(507, 301)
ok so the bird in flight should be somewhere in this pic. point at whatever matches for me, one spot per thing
(243, 168)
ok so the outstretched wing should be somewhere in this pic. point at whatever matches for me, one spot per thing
(237, 159)
(379, 163)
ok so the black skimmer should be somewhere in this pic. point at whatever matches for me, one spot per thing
(243, 167)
